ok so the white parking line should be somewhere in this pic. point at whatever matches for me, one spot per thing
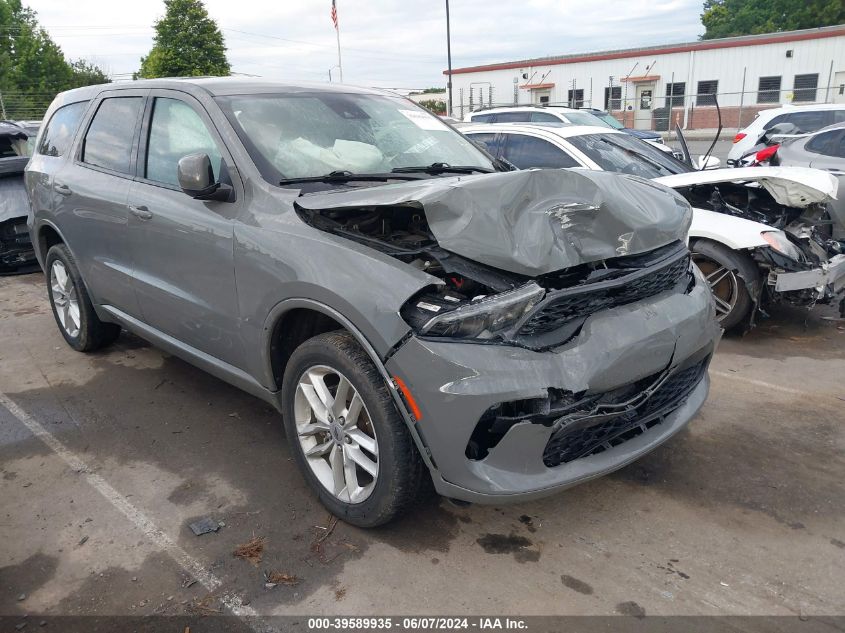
(187, 562)
(762, 383)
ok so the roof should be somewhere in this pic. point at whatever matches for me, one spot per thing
(563, 131)
(220, 86)
(665, 49)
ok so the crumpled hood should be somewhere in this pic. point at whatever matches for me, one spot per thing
(790, 186)
(532, 222)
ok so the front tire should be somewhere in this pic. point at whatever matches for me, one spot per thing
(726, 271)
(347, 437)
(78, 322)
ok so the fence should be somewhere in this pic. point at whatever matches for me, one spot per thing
(637, 106)
(24, 106)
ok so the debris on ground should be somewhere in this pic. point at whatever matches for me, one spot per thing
(274, 578)
(187, 581)
(203, 606)
(251, 550)
(340, 593)
(204, 526)
(22, 597)
(83, 540)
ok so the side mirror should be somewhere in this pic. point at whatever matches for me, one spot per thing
(196, 178)
(708, 162)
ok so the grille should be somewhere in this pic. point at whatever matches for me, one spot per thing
(568, 445)
(556, 312)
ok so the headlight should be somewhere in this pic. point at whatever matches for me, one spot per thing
(778, 241)
(486, 318)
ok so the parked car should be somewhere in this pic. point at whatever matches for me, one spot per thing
(760, 235)
(808, 118)
(560, 114)
(824, 149)
(415, 315)
(612, 121)
(16, 252)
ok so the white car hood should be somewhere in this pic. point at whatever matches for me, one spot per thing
(790, 186)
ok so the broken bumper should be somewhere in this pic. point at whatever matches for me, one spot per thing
(16, 250)
(826, 280)
(455, 384)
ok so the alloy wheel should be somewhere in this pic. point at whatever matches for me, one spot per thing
(336, 434)
(723, 283)
(65, 299)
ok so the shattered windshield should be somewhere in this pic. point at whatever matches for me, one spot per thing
(627, 155)
(306, 135)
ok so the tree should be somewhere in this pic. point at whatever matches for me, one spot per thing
(727, 18)
(33, 68)
(187, 43)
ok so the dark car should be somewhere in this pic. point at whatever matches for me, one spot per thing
(417, 314)
(16, 252)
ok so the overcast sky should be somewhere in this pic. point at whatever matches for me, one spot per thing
(387, 43)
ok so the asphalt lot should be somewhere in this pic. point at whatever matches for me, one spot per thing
(742, 513)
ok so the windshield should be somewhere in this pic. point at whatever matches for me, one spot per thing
(585, 118)
(627, 155)
(306, 135)
(609, 119)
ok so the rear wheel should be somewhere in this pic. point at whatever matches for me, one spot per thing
(726, 271)
(78, 322)
(348, 439)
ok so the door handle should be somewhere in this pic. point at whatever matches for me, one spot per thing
(61, 189)
(141, 212)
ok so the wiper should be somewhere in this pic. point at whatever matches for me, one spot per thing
(442, 168)
(346, 176)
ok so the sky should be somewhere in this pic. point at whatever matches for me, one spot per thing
(386, 43)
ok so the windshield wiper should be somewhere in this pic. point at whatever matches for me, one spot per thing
(442, 168)
(347, 176)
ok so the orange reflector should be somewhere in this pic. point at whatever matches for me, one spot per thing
(406, 393)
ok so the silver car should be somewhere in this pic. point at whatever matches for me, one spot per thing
(417, 313)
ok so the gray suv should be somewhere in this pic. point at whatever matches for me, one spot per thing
(416, 312)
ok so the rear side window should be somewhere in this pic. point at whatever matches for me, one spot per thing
(59, 133)
(526, 152)
(482, 118)
(544, 117)
(828, 144)
(513, 117)
(108, 142)
(176, 131)
(810, 121)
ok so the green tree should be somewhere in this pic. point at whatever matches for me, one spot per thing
(33, 68)
(187, 43)
(727, 18)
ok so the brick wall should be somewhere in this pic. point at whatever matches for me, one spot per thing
(702, 117)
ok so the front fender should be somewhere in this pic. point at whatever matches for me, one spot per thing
(735, 233)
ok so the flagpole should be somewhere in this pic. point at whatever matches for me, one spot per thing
(339, 64)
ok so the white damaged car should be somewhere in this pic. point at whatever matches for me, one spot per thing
(760, 235)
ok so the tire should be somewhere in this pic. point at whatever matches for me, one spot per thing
(731, 269)
(78, 323)
(366, 500)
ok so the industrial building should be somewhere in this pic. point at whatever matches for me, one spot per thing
(656, 86)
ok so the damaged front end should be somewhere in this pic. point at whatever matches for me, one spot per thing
(565, 331)
(800, 261)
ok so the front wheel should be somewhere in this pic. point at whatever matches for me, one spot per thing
(347, 437)
(726, 271)
(72, 308)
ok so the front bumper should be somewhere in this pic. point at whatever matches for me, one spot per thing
(827, 280)
(454, 384)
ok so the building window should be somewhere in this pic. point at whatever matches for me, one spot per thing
(804, 87)
(575, 98)
(768, 90)
(675, 94)
(707, 92)
(613, 98)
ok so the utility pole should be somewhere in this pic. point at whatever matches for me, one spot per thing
(449, 56)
